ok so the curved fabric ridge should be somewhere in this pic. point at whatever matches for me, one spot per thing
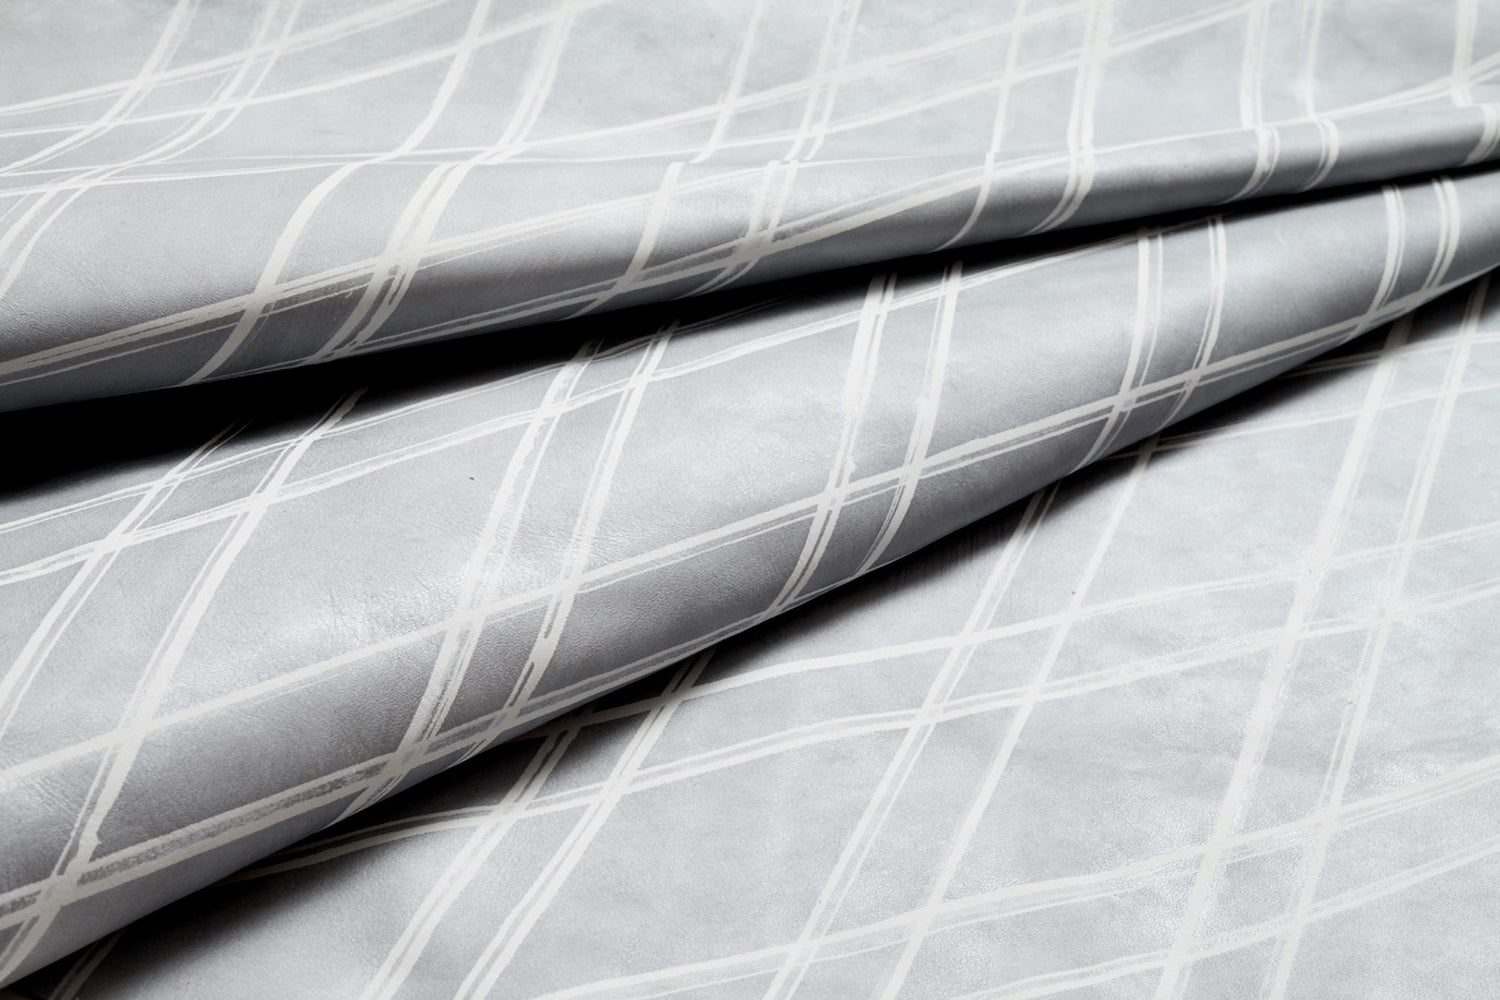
(202, 190)
(999, 770)
(219, 649)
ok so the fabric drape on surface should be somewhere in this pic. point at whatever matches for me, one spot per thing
(1211, 715)
(198, 190)
(1131, 732)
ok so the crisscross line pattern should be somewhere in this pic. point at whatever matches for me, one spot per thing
(223, 651)
(341, 181)
(1032, 762)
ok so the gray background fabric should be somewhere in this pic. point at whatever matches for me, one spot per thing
(1216, 717)
(198, 189)
(233, 614)
(225, 648)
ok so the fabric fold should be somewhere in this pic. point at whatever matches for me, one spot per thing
(266, 186)
(245, 639)
(1158, 727)
(767, 297)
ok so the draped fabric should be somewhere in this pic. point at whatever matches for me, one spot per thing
(961, 499)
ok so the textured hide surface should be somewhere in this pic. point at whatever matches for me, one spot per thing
(932, 500)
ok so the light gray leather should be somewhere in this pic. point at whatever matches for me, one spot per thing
(1214, 717)
(204, 189)
(1229, 723)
